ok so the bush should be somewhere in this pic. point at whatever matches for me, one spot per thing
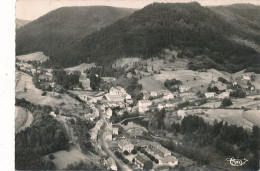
(226, 102)
(126, 161)
(223, 80)
(134, 151)
(156, 161)
(126, 153)
(44, 93)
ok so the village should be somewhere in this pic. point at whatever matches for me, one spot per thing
(118, 134)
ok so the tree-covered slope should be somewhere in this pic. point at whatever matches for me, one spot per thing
(63, 26)
(160, 25)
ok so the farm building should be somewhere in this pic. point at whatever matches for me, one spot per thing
(210, 95)
(246, 77)
(168, 160)
(224, 95)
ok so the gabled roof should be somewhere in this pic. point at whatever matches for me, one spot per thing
(141, 158)
(160, 148)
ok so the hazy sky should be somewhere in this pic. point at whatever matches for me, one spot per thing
(32, 9)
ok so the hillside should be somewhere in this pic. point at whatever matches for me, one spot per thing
(189, 27)
(19, 23)
(244, 17)
(63, 26)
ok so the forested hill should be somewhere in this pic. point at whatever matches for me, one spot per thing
(188, 26)
(245, 17)
(63, 26)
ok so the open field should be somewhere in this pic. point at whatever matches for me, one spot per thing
(81, 67)
(245, 102)
(150, 84)
(252, 116)
(235, 117)
(37, 56)
(23, 118)
(63, 158)
(194, 79)
(34, 95)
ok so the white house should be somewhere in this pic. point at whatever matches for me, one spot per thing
(125, 145)
(154, 94)
(115, 131)
(224, 95)
(53, 114)
(210, 94)
(168, 160)
(109, 113)
(183, 89)
(246, 77)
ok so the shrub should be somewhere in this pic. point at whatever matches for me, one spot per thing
(134, 151)
(226, 102)
(156, 161)
(126, 153)
(44, 93)
(126, 161)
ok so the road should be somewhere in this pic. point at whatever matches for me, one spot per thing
(104, 145)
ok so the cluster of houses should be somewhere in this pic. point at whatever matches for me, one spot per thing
(118, 94)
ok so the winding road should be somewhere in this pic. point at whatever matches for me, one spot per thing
(104, 145)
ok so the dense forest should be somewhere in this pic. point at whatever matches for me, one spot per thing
(64, 26)
(147, 31)
(46, 135)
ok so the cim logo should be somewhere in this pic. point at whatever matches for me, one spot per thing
(236, 162)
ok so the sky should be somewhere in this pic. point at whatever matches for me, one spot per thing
(33, 9)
